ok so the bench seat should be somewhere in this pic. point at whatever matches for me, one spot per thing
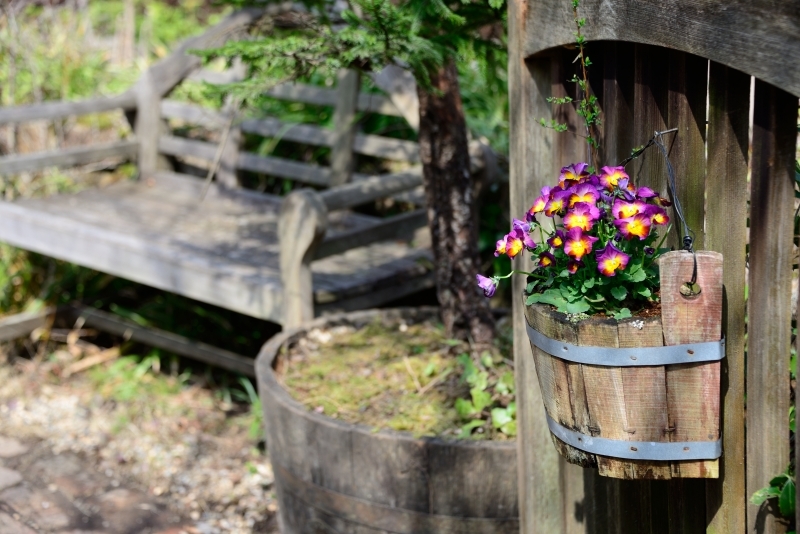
(222, 250)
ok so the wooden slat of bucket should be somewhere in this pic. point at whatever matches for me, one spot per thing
(604, 391)
(568, 403)
(726, 181)
(769, 307)
(645, 396)
(692, 320)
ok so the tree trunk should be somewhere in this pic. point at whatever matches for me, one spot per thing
(449, 189)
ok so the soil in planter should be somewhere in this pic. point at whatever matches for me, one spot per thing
(405, 377)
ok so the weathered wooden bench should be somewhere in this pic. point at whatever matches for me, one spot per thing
(280, 259)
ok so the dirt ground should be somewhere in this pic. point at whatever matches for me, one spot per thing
(121, 448)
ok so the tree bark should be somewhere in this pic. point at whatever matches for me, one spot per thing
(445, 161)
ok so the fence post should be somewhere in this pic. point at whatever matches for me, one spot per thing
(345, 126)
(301, 227)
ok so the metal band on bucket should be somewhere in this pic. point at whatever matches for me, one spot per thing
(709, 351)
(637, 450)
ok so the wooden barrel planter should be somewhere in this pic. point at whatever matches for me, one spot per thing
(335, 477)
(638, 398)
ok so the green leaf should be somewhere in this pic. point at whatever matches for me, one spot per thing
(486, 360)
(779, 480)
(589, 284)
(467, 429)
(512, 408)
(619, 292)
(763, 494)
(624, 313)
(430, 370)
(464, 408)
(500, 417)
(496, 4)
(786, 500)
(509, 429)
(480, 399)
(505, 385)
(479, 380)
(638, 276)
(579, 306)
(530, 287)
(645, 292)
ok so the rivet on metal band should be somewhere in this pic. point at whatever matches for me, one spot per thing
(629, 357)
(637, 450)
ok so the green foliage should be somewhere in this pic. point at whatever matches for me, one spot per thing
(782, 489)
(490, 396)
(419, 34)
(588, 107)
(588, 290)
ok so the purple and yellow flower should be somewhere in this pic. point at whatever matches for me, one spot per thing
(557, 239)
(583, 193)
(489, 285)
(622, 209)
(645, 192)
(557, 203)
(611, 259)
(573, 266)
(636, 226)
(582, 216)
(572, 174)
(611, 176)
(578, 244)
(500, 247)
(514, 244)
(663, 202)
(657, 214)
(546, 259)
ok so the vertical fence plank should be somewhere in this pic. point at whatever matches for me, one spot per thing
(686, 111)
(570, 147)
(345, 126)
(531, 156)
(688, 86)
(726, 232)
(651, 99)
(769, 333)
(617, 103)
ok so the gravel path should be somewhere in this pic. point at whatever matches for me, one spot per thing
(74, 458)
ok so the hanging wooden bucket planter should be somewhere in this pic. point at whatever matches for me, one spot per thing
(638, 398)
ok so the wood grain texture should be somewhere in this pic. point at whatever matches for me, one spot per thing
(618, 102)
(726, 182)
(301, 227)
(651, 114)
(766, 31)
(161, 339)
(400, 226)
(693, 395)
(344, 126)
(686, 110)
(223, 251)
(542, 508)
(57, 110)
(369, 189)
(21, 324)
(323, 96)
(334, 475)
(67, 157)
(769, 307)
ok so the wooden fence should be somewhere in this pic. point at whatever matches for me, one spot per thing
(673, 64)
